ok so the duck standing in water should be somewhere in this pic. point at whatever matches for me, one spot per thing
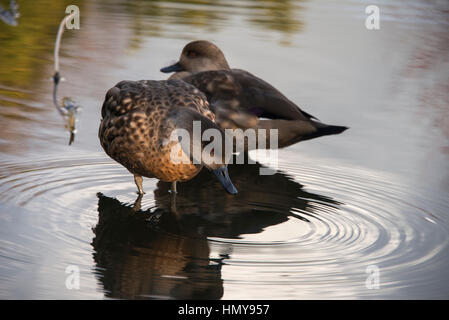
(138, 118)
(239, 99)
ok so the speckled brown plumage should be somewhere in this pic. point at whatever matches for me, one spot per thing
(137, 120)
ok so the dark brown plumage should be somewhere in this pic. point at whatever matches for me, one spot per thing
(239, 99)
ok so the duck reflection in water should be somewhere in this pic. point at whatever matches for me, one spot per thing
(163, 252)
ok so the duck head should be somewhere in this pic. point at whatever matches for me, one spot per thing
(212, 149)
(215, 157)
(199, 56)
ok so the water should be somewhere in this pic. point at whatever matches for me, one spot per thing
(376, 195)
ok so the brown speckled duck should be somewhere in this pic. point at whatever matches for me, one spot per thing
(239, 99)
(138, 118)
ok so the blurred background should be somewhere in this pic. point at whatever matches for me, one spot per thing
(374, 195)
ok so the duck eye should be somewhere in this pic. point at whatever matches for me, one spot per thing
(191, 54)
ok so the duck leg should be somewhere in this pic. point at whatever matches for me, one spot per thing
(138, 180)
(173, 187)
(173, 193)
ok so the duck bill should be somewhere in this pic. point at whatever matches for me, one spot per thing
(223, 176)
(173, 68)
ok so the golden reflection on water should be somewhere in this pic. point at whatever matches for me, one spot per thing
(25, 49)
(154, 18)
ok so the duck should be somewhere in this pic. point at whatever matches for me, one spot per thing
(241, 100)
(139, 120)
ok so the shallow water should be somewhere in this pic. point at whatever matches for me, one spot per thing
(374, 196)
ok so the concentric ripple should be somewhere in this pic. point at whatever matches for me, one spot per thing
(309, 231)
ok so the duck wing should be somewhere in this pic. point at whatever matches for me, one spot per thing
(146, 95)
(240, 90)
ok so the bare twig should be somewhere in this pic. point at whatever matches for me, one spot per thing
(68, 108)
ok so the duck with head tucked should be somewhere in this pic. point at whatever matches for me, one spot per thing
(239, 99)
(138, 119)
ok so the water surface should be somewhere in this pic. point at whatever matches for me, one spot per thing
(376, 195)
